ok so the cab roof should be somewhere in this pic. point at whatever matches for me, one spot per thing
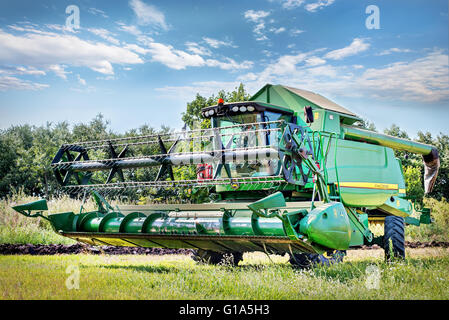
(295, 99)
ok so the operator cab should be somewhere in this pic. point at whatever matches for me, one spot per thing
(251, 126)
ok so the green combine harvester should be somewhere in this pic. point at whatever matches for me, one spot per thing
(288, 172)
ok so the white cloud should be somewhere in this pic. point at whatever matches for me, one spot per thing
(313, 7)
(98, 12)
(105, 34)
(256, 16)
(131, 29)
(358, 45)
(22, 71)
(258, 30)
(295, 32)
(148, 14)
(175, 59)
(136, 48)
(291, 4)
(195, 48)
(178, 59)
(277, 30)
(267, 53)
(326, 71)
(81, 80)
(314, 61)
(47, 49)
(59, 71)
(425, 79)
(214, 43)
(230, 64)
(393, 50)
(283, 66)
(35, 30)
(13, 83)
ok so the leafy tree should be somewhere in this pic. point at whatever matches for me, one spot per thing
(193, 112)
(414, 184)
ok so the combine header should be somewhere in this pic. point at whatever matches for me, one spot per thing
(288, 173)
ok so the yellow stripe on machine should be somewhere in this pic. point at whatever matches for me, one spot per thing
(369, 185)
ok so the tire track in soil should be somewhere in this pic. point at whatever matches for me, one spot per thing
(51, 249)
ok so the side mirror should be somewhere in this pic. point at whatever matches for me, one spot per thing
(308, 114)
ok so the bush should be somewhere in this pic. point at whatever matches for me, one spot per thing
(438, 230)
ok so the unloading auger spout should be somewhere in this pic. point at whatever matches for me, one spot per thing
(286, 172)
(429, 153)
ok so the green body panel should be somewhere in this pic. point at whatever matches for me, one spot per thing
(397, 206)
(63, 221)
(328, 225)
(326, 121)
(357, 237)
(366, 175)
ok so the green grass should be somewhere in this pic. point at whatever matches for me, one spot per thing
(16, 228)
(424, 275)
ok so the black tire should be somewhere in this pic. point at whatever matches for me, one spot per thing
(215, 258)
(394, 238)
(309, 260)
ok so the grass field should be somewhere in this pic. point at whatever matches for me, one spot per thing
(424, 275)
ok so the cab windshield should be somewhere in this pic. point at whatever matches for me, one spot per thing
(250, 134)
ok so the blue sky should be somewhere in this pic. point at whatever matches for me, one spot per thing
(140, 61)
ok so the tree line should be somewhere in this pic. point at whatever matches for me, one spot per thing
(26, 151)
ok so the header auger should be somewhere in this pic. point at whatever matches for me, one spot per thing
(289, 171)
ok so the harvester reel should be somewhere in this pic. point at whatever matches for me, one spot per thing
(289, 165)
(64, 154)
(293, 154)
